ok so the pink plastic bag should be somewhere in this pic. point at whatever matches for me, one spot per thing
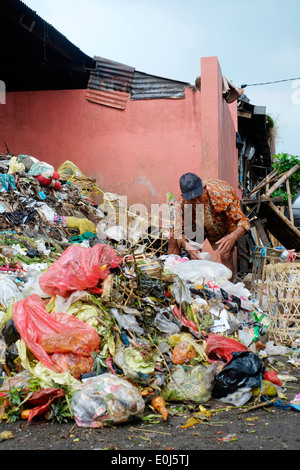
(52, 333)
(78, 268)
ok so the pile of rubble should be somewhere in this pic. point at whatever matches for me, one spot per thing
(100, 327)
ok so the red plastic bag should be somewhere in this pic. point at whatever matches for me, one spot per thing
(271, 376)
(46, 334)
(185, 321)
(221, 348)
(41, 401)
(73, 363)
(78, 268)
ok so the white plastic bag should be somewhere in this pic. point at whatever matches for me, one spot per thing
(62, 304)
(239, 397)
(32, 286)
(116, 233)
(201, 270)
(47, 211)
(9, 291)
(41, 246)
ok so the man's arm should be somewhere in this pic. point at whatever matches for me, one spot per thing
(175, 246)
(226, 243)
(192, 251)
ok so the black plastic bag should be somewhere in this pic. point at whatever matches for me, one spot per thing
(245, 369)
(10, 333)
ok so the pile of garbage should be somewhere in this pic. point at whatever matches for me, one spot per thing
(100, 328)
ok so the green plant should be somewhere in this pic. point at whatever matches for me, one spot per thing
(15, 398)
(99, 362)
(60, 412)
(271, 121)
(284, 162)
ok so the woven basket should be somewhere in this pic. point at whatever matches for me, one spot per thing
(148, 265)
(86, 184)
(283, 293)
(262, 258)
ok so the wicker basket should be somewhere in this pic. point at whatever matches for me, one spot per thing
(283, 293)
(86, 184)
(262, 258)
(148, 265)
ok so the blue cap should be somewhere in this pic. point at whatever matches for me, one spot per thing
(191, 186)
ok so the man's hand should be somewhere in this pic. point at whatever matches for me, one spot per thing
(226, 243)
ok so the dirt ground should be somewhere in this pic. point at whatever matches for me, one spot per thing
(266, 428)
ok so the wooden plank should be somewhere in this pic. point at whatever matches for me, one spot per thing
(280, 226)
(288, 190)
(267, 180)
(261, 232)
(246, 201)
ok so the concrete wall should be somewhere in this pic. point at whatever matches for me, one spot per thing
(139, 152)
(219, 155)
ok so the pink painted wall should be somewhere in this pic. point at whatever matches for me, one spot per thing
(139, 152)
(219, 155)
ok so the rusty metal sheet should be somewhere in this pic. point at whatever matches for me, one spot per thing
(146, 86)
(110, 83)
(114, 99)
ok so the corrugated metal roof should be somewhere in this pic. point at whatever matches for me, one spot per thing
(146, 86)
(110, 83)
(114, 99)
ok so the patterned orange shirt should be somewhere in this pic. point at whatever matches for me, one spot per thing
(222, 211)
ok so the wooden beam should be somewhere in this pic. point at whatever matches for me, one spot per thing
(261, 232)
(247, 201)
(282, 179)
(288, 190)
(280, 226)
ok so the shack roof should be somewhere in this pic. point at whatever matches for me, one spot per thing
(35, 56)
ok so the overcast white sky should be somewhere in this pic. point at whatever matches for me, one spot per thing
(255, 41)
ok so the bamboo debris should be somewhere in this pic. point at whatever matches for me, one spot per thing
(283, 288)
(288, 190)
(282, 179)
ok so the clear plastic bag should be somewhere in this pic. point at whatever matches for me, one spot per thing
(192, 384)
(127, 322)
(106, 399)
(165, 325)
